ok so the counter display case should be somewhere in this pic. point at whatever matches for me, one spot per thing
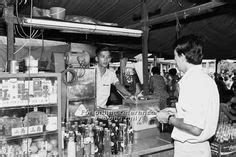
(30, 114)
(81, 94)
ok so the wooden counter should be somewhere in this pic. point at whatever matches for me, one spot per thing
(152, 146)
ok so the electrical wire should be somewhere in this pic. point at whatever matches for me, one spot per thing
(25, 42)
(21, 48)
(25, 35)
(17, 17)
(73, 75)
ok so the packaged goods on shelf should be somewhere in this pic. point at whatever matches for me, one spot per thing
(18, 92)
(30, 110)
(30, 147)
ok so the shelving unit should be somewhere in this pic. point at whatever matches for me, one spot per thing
(9, 138)
(30, 110)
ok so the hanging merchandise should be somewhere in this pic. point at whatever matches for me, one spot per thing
(31, 65)
(14, 67)
(78, 59)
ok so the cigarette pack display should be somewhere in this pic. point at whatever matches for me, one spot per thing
(5, 93)
(29, 115)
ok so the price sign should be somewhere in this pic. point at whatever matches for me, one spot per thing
(27, 130)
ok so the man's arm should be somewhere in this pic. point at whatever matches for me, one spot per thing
(178, 123)
(164, 117)
(122, 89)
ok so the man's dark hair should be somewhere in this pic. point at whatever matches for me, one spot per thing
(156, 70)
(100, 49)
(191, 46)
(226, 96)
(172, 71)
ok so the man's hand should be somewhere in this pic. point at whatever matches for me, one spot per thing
(170, 110)
(162, 116)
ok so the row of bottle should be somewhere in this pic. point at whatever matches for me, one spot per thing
(226, 132)
(98, 139)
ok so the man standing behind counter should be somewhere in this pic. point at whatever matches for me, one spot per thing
(106, 77)
(197, 110)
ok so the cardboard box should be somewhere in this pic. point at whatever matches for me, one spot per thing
(223, 148)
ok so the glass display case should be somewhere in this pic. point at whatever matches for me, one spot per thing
(81, 95)
(30, 114)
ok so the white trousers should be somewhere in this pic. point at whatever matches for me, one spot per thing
(192, 149)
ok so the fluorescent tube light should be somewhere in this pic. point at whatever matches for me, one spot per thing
(80, 27)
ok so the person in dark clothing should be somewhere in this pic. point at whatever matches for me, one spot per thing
(221, 87)
(157, 86)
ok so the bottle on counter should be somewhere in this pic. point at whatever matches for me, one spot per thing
(109, 124)
(66, 135)
(121, 137)
(71, 150)
(63, 128)
(78, 140)
(107, 143)
(87, 142)
(96, 139)
(114, 139)
(91, 134)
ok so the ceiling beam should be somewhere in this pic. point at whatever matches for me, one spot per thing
(183, 14)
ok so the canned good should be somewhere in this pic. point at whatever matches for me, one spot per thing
(14, 67)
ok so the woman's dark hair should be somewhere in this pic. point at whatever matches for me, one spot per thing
(156, 70)
(191, 46)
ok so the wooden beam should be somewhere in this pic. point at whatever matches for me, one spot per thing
(145, 29)
(183, 14)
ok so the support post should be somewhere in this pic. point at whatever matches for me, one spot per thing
(155, 60)
(9, 18)
(122, 68)
(145, 29)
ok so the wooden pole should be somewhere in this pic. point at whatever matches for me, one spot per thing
(9, 18)
(122, 69)
(145, 29)
(155, 60)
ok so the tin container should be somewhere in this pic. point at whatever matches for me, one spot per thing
(14, 67)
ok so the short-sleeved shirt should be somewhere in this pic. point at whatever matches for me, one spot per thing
(198, 105)
(104, 86)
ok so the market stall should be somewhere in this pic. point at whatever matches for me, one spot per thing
(69, 123)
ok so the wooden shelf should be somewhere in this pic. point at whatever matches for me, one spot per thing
(80, 99)
(25, 75)
(27, 106)
(8, 138)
